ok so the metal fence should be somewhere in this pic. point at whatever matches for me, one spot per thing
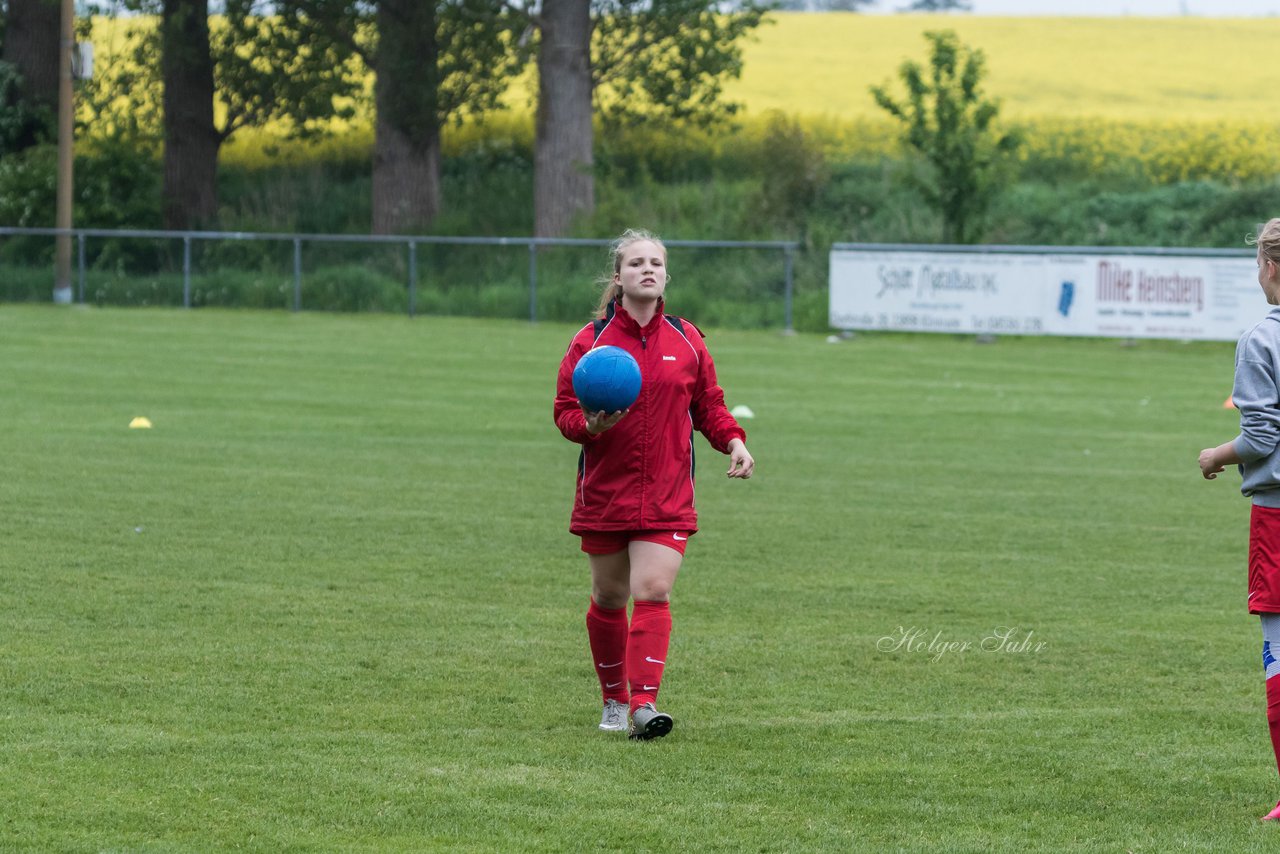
(82, 236)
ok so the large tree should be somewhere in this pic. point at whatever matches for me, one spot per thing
(563, 180)
(645, 59)
(261, 64)
(191, 139)
(406, 156)
(433, 61)
(31, 35)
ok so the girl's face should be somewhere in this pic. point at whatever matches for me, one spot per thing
(642, 273)
(1269, 278)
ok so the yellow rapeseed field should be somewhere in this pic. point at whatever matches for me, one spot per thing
(1185, 97)
(1118, 68)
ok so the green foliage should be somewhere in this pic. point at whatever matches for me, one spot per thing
(116, 186)
(314, 198)
(1200, 213)
(22, 283)
(682, 209)
(670, 57)
(278, 68)
(28, 187)
(666, 152)
(793, 175)
(123, 98)
(22, 124)
(949, 122)
(481, 52)
(275, 69)
(500, 173)
(343, 288)
(436, 61)
(353, 288)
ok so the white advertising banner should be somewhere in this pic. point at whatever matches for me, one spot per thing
(1202, 297)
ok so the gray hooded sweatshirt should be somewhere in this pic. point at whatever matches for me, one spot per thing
(1257, 395)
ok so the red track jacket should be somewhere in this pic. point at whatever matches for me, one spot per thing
(638, 474)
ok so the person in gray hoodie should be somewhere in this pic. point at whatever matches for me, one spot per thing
(1256, 450)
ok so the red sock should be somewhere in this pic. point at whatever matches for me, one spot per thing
(607, 633)
(1273, 715)
(647, 650)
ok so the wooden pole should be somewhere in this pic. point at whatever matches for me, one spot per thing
(66, 125)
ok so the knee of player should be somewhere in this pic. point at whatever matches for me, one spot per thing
(652, 591)
(610, 598)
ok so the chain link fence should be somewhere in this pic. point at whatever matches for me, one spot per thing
(719, 282)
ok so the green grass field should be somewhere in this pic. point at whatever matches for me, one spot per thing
(329, 602)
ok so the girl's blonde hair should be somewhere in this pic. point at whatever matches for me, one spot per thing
(1268, 240)
(613, 291)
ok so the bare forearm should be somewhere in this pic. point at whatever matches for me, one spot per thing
(1214, 460)
(1226, 454)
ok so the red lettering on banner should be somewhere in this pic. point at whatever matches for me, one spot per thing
(1115, 283)
(1118, 284)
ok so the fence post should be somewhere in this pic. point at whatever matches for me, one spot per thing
(413, 277)
(297, 274)
(790, 288)
(80, 245)
(186, 271)
(533, 283)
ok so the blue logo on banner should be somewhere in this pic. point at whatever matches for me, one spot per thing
(1065, 297)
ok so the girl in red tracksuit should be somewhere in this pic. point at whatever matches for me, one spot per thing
(633, 506)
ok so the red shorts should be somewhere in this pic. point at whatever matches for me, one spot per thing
(1264, 560)
(608, 542)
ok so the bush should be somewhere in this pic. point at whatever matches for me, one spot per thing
(353, 289)
(1199, 213)
(116, 186)
(23, 124)
(26, 284)
(794, 174)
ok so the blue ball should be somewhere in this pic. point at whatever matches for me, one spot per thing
(607, 379)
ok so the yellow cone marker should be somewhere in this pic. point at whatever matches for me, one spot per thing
(140, 423)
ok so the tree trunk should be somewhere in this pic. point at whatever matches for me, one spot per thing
(406, 177)
(191, 139)
(406, 150)
(31, 45)
(563, 181)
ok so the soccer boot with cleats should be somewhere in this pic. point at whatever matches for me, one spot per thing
(648, 723)
(614, 716)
